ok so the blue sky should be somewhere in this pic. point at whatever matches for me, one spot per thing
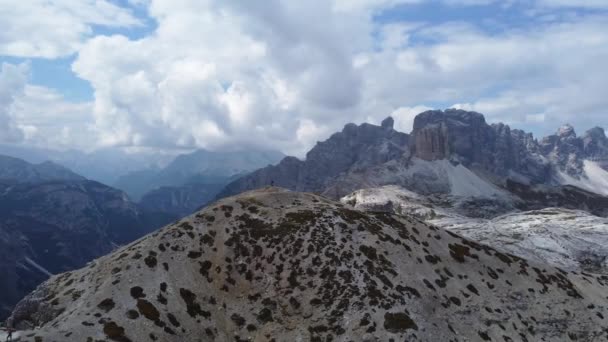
(182, 74)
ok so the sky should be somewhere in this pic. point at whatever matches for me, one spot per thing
(232, 74)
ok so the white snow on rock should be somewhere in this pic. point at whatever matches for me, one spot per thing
(570, 239)
(594, 179)
(461, 181)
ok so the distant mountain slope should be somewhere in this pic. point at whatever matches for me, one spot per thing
(199, 167)
(55, 226)
(278, 265)
(14, 169)
(103, 165)
(180, 200)
(354, 148)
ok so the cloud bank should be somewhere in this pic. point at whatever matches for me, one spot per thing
(284, 74)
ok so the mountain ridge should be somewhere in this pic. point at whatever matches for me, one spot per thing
(272, 264)
(53, 220)
(495, 154)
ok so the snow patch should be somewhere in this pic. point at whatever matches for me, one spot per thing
(461, 181)
(594, 179)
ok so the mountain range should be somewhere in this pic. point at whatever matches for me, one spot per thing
(104, 165)
(451, 152)
(199, 167)
(467, 173)
(457, 230)
(53, 220)
(192, 179)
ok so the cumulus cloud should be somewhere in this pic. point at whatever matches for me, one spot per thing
(231, 74)
(557, 72)
(12, 84)
(47, 119)
(49, 29)
(284, 74)
(227, 74)
(38, 115)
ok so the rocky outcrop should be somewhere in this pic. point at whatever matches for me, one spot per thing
(451, 133)
(465, 137)
(565, 150)
(354, 148)
(284, 266)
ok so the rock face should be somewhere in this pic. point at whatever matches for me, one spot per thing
(17, 170)
(355, 148)
(55, 226)
(451, 153)
(466, 138)
(595, 145)
(278, 265)
(565, 150)
(438, 135)
(568, 151)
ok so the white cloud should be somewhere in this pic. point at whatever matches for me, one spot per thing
(404, 117)
(47, 119)
(284, 74)
(38, 115)
(233, 74)
(12, 84)
(229, 74)
(55, 28)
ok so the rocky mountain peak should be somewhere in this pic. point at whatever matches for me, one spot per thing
(596, 133)
(595, 144)
(451, 133)
(388, 123)
(565, 150)
(354, 148)
(466, 138)
(454, 116)
(275, 264)
(566, 131)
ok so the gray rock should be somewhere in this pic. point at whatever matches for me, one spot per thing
(565, 150)
(355, 148)
(466, 138)
(595, 145)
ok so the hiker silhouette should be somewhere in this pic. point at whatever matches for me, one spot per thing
(9, 336)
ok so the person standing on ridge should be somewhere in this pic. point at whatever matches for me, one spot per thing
(9, 332)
